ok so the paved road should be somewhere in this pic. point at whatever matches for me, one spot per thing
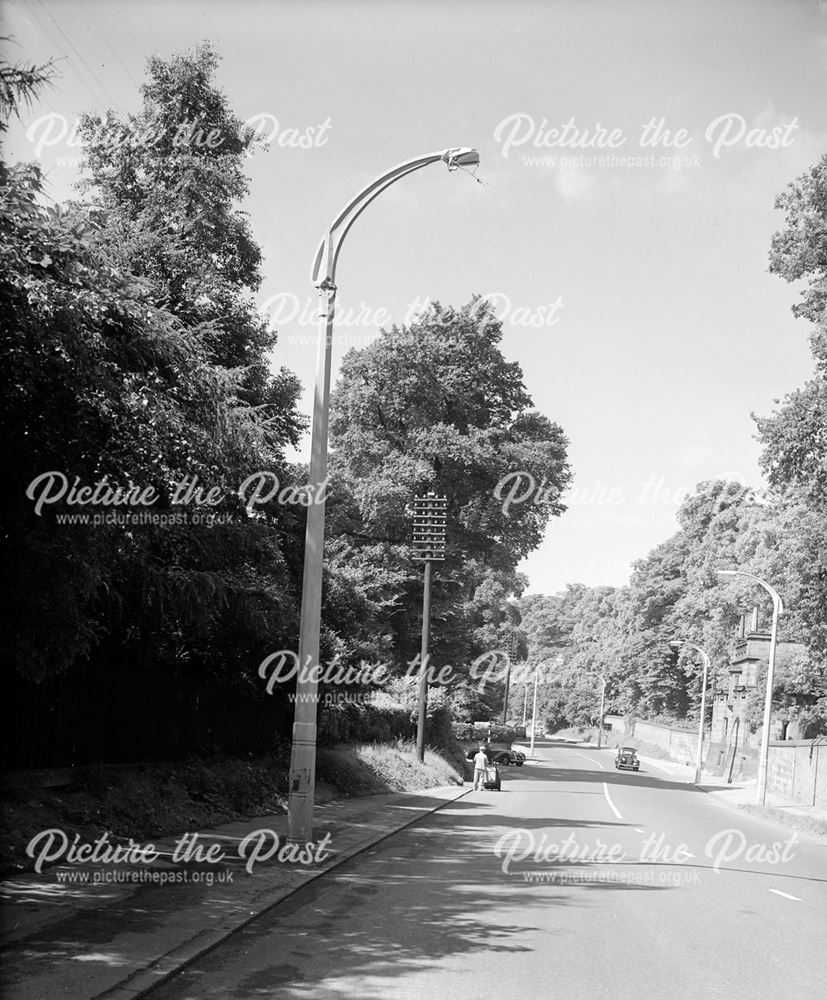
(463, 906)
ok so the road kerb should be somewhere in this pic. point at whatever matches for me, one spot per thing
(205, 941)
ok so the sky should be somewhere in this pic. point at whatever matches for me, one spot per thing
(631, 154)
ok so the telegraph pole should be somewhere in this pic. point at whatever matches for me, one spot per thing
(430, 514)
(512, 652)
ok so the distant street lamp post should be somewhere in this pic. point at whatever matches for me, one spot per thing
(303, 756)
(534, 710)
(507, 689)
(700, 751)
(558, 661)
(777, 609)
(602, 701)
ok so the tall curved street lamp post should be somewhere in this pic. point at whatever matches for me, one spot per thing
(705, 657)
(303, 756)
(777, 609)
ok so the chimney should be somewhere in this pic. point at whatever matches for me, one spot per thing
(754, 627)
(742, 627)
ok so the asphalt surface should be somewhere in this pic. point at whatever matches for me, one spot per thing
(660, 892)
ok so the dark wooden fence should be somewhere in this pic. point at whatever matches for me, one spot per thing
(110, 714)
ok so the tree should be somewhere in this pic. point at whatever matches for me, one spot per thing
(577, 636)
(795, 437)
(435, 406)
(97, 382)
(166, 184)
(20, 86)
(115, 374)
(800, 249)
(168, 181)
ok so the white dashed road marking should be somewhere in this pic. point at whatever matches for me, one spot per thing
(591, 760)
(786, 895)
(612, 806)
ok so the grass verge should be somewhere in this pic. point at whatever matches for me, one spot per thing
(156, 800)
(370, 769)
(793, 820)
(585, 734)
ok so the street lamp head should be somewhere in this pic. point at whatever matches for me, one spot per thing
(461, 156)
(778, 604)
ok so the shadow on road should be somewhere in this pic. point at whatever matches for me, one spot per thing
(550, 772)
(414, 901)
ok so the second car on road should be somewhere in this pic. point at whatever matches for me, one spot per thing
(627, 757)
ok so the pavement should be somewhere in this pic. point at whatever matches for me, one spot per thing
(83, 931)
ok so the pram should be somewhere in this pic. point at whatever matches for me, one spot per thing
(492, 777)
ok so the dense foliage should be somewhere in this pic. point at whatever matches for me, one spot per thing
(624, 634)
(134, 357)
(435, 407)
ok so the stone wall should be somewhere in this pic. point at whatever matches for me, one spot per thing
(680, 744)
(797, 769)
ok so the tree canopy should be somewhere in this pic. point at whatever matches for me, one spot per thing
(134, 356)
(673, 594)
(435, 406)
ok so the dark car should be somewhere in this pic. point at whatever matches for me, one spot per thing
(501, 756)
(627, 757)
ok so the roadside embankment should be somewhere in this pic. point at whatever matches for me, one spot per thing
(152, 800)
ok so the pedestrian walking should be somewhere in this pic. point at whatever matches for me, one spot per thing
(480, 768)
